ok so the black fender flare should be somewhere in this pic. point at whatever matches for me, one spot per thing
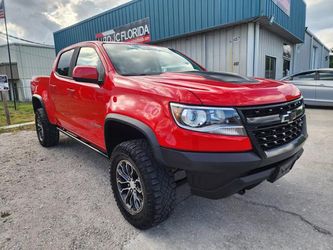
(140, 126)
(40, 100)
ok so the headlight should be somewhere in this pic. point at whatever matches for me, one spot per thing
(222, 121)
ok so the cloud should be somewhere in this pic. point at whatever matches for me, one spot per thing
(63, 15)
(326, 36)
(320, 20)
(37, 19)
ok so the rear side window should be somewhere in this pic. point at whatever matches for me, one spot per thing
(326, 75)
(308, 76)
(64, 63)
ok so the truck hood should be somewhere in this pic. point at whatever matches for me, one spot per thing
(223, 89)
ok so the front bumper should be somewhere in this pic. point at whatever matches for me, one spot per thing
(218, 175)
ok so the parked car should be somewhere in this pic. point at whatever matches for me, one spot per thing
(315, 85)
(155, 112)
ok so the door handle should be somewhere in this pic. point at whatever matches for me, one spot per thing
(70, 90)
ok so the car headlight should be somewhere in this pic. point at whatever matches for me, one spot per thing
(222, 121)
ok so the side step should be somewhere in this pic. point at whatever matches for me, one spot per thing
(69, 134)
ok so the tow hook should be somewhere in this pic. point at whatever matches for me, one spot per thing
(242, 192)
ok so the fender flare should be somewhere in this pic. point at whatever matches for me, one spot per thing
(40, 99)
(42, 104)
(140, 126)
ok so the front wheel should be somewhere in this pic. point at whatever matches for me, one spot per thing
(143, 190)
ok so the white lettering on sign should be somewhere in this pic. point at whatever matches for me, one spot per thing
(138, 31)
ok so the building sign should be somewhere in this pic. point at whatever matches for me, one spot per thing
(284, 5)
(138, 32)
(4, 82)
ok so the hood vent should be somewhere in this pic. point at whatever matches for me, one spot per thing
(224, 77)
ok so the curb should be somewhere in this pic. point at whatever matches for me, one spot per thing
(15, 127)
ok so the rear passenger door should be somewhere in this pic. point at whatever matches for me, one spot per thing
(307, 83)
(325, 86)
(60, 89)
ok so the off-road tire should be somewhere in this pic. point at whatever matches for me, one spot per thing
(50, 132)
(158, 183)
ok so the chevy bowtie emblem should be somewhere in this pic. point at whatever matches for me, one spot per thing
(289, 117)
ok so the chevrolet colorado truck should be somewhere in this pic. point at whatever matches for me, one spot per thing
(155, 113)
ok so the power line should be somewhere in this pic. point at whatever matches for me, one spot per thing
(25, 40)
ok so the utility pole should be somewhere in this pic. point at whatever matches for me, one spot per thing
(9, 57)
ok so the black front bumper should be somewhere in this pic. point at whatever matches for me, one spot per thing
(218, 175)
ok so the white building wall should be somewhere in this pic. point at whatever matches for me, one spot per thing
(219, 50)
(303, 55)
(193, 46)
(271, 45)
(306, 58)
(31, 61)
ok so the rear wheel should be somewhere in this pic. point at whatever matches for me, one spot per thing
(47, 133)
(143, 190)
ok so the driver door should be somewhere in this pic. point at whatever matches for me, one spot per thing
(89, 100)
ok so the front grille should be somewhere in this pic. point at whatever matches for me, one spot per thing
(274, 132)
(271, 110)
(272, 137)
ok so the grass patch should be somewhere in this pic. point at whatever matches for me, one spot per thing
(24, 113)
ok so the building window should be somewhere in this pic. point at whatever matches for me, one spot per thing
(286, 59)
(314, 57)
(270, 67)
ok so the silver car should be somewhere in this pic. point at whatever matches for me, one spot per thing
(316, 86)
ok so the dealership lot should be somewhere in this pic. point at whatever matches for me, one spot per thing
(61, 198)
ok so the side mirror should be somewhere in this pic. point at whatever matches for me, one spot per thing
(86, 74)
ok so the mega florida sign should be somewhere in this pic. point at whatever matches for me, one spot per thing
(284, 5)
(138, 32)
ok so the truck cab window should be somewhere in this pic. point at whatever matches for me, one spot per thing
(89, 57)
(64, 63)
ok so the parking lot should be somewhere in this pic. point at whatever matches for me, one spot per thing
(61, 198)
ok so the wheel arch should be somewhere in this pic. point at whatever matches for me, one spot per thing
(37, 102)
(119, 128)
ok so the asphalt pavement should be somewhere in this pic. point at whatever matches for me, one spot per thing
(60, 198)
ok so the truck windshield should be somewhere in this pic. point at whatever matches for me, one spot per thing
(137, 60)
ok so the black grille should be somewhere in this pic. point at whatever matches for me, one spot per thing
(271, 110)
(272, 137)
(274, 134)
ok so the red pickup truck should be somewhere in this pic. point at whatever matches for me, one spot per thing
(158, 114)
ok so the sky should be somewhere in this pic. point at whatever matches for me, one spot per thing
(36, 20)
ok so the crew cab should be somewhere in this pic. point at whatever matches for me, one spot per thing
(156, 114)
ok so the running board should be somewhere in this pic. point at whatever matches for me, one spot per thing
(82, 142)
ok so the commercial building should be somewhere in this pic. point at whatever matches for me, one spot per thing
(250, 37)
(27, 61)
(312, 54)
